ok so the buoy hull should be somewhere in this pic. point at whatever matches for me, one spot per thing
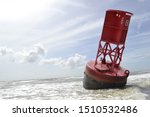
(94, 79)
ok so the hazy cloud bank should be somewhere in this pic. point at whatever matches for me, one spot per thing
(37, 53)
(74, 61)
(25, 55)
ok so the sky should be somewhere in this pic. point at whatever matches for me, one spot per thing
(52, 38)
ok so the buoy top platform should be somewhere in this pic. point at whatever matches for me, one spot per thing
(105, 71)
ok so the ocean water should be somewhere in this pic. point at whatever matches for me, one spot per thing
(137, 88)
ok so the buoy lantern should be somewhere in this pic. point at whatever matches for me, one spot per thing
(105, 71)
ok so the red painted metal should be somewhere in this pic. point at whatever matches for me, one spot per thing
(105, 76)
(116, 26)
(112, 42)
(106, 68)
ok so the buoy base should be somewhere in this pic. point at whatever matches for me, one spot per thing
(95, 79)
(90, 83)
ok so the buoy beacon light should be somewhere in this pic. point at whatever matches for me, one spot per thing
(105, 71)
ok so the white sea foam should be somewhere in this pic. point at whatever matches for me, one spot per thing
(138, 87)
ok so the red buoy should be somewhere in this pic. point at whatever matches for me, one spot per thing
(105, 71)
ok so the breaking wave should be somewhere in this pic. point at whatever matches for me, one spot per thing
(137, 88)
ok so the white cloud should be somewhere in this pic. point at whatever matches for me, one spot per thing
(5, 51)
(32, 54)
(75, 61)
(26, 55)
(38, 52)
(54, 61)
